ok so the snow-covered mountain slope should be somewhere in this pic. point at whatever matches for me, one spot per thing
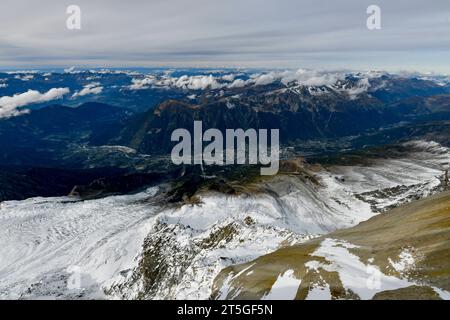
(399, 254)
(129, 247)
(45, 241)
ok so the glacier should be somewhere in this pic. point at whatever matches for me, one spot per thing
(108, 244)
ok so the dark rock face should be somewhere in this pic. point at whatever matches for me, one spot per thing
(424, 108)
(22, 183)
(118, 184)
(391, 89)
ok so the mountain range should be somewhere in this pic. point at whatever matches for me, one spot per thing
(358, 208)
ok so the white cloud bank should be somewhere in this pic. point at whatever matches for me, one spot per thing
(201, 82)
(9, 105)
(139, 84)
(302, 77)
(198, 82)
(26, 77)
(317, 82)
(92, 88)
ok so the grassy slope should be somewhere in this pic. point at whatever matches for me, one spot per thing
(423, 225)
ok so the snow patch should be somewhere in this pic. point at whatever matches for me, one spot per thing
(284, 288)
(364, 280)
(406, 261)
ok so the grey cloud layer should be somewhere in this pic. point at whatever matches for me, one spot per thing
(415, 34)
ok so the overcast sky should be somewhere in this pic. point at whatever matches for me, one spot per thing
(316, 34)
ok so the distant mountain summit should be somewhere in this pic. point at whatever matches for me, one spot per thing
(300, 112)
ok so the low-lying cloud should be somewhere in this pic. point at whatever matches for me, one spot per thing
(317, 82)
(10, 106)
(92, 88)
(202, 82)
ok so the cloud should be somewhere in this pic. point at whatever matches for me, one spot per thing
(26, 77)
(282, 34)
(10, 105)
(198, 82)
(265, 79)
(92, 88)
(23, 72)
(362, 86)
(300, 77)
(139, 84)
(313, 78)
(228, 77)
(317, 82)
(69, 70)
(238, 83)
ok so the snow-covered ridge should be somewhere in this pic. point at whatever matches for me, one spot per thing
(113, 243)
(396, 255)
(365, 280)
(302, 77)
